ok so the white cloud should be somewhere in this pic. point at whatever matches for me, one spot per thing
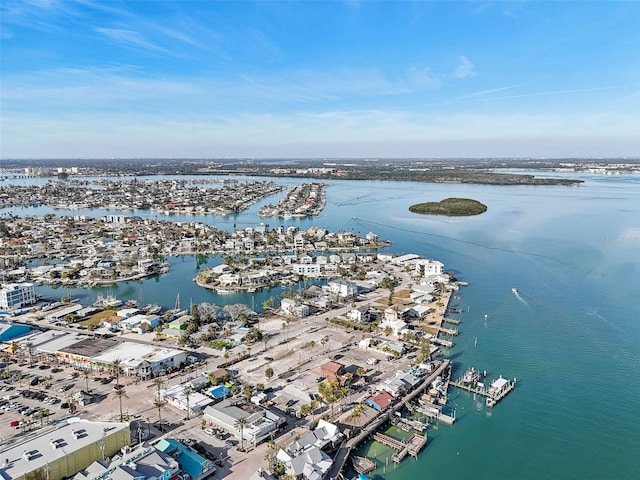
(129, 38)
(466, 69)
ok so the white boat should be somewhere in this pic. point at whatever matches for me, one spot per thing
(514, 290)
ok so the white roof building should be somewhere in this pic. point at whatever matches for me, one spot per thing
(70, 447)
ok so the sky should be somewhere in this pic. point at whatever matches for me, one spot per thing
(311, 79)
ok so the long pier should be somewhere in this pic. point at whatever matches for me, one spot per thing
(367, 430)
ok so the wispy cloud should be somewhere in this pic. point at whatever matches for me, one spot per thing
(466, 69)
(484, 93)
(129, 38)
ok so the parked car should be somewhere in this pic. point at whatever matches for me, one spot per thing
(209, 431)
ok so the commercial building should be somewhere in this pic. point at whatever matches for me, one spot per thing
(17, 295)
(259, 422)
(66, 449)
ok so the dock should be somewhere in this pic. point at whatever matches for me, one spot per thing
(407, 424)
(411, 446)
(433, 411)
(363, 465)
(448, 331)
(441, 342)
(454, 321)
(498, 389)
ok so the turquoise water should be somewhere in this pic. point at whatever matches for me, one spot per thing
(571, 338)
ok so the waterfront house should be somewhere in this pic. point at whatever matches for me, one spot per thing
(304, 458)
(381, 401)
(309, 270)
(426, 267)
(294, 308)
(342, 288)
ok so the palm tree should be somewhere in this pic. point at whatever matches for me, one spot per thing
(119, 392)
(187, 391)
(42, 414)
(356, 413)
(159, 402)
(115, 366)
(30, 348)
(240, 423)
(85, 373)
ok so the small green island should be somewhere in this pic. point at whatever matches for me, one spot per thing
(451, 207)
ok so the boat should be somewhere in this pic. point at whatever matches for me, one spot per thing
(152, 308)
(109, 301)
(514, 290)
(363, 465)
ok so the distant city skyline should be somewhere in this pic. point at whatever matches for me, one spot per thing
(96, 79)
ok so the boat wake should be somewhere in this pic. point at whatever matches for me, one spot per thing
(517, 294)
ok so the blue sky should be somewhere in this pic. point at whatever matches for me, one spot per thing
(103, 78)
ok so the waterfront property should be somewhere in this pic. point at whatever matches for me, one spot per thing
(17, 295)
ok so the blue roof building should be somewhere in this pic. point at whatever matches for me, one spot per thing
(190, 462)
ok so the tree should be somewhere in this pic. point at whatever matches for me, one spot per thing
(187, 391)
(159, 401)
(305, 409)
(119, 392)
(356, 413)
(115, 367)
(268, 373)
(85, 373)
(30, 349)
(240, 423)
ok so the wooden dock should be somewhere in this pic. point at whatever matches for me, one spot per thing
(494, 393)
(363, 464)
(454, 321)
(449, 331)
(434, 412)
(411, 446)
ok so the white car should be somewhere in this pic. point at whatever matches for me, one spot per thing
(372, 361)
(209, 431)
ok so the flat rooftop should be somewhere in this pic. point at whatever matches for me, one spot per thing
(90, 347)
